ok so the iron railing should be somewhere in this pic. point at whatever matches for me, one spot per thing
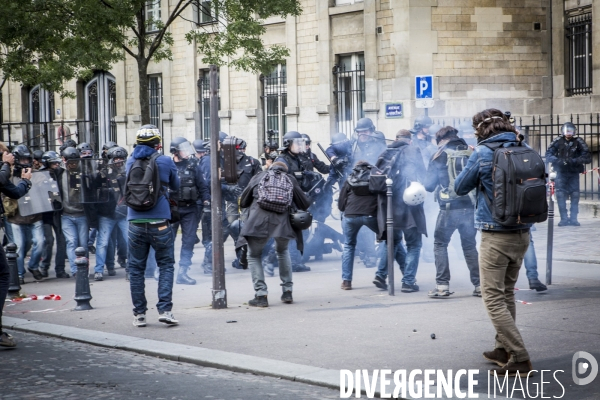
(155, 99)
(540, 135)
(349, 96)
(204, 105)
(274, 99)
(579, 42)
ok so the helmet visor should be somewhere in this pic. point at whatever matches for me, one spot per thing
(185, 150)
(298, 146)
(569, 130)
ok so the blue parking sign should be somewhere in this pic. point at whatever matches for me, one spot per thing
(424, 87)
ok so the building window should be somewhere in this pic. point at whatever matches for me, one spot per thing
(350, 91)
(152, 16)
(100, 110)
(41, 111)
(579, 42)
(204, 104)
(155, 99)
(206, 12)
(346, 2)
(275, 101)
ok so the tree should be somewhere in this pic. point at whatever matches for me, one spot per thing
(93, 34)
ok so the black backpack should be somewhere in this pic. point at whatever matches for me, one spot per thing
(519, 182)
(143, 186)
(359, 180)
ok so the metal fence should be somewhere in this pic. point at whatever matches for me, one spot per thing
(579, 39)
(540, 134)
(349, 96)
(274, 98)
(155, 99)
(204, 104)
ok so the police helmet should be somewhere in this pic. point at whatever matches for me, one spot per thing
(364, 124)
(22, 156)
(85, 150)
(422, 122)
(289, 138)
(116, 152)
(148, 135)
(306, 138)
(241, 144)
(433, 129)
(109, 145)
(50, 157)
(222, 136)
(338, 138)
(466, 128)
(200, 146)
(301, 219)
(568, 128)
(71, 153)
(176, 143)
(37, 155)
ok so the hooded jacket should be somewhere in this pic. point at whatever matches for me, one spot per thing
(267, 224)
(168, 177)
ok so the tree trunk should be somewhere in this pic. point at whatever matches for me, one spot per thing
(144, 96)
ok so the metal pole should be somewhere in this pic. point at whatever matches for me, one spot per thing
(550, 240)
(82, 282)
(219, 293)
(11, 258)
(390, 236)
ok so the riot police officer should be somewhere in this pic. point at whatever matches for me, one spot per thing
(369, 145)
(192, 187)
(340, 153)
(422, 138)
(107, 146)
(568, 154)
(37, 159)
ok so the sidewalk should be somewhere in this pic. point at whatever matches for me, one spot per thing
(331, 329)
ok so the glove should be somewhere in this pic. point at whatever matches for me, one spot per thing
(339, 163)
(206, 203)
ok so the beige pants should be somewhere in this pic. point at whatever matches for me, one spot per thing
(500, 258)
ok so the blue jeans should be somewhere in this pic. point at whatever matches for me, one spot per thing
(92, 236)
(351, 226)
(189, 226)
(106, 243)
(141, 238)
(26, 237)
(567, 186)
(407, 260)
(76, 232)
(530, 261)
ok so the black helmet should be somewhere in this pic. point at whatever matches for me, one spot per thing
(22, 156)
(71, 154)
(175, 143)
(116, 152)
(364, 124)
(37, 155)
(50, 157)
(148, 135)
(288, 139)
(466, 128)
(85, 150)
(338, 138)
(272, 145)
(306, 138)
(568, 127)
(222, 136)
(301, 219)
(109, 145)
(241, 144)
(67, 143)
(200, 146)
(422, 122)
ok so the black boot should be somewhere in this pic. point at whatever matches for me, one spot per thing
(259, 301)
(183, 278)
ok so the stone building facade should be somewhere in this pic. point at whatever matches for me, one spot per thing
(348, 59)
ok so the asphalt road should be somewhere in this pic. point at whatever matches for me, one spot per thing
(49, 368)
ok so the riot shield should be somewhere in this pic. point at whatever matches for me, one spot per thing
(43, 196)
(87, 178)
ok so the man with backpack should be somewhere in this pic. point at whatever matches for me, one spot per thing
(273, 198)
(568, 154)
(511, 194)
(359, 207)
(149, 176)
(456, 212)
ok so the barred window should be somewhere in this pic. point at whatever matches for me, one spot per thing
(579, 42)
(155, 98)
(152, 15)
(350, 91)
(204, 104)
(275, 101)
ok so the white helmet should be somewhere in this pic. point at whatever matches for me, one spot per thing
(414, 194)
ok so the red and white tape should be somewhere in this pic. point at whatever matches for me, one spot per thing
(35, 297)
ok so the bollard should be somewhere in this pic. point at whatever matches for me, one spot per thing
(550, 241)
(11, 257)
(390, 237)
(82, 283)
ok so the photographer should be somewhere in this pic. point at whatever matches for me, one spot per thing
(8, 189)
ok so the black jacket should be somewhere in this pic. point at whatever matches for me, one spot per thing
(569, 155)
(437, 175)
(310, 162)
(8, 188)
(266, 224)
(89, 209)
(352, 204)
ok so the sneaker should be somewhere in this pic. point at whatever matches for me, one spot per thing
(536, 285)
(167, 317)
(380, 283)
(440, 291)
(7, 340)
(112, 272)
(477, 291)
(122, 262)
(574, 223)
(563, 222)
(347, 285)
(236, 264)
(21, 280)
(259, 301)
(44, 272)
(62, 275)
(92, 249)
(300, 268)
(406, 288)
(514, 368)
(139, 320)
(498, 356)
(37, 275)
(287, 298)
(98, 276)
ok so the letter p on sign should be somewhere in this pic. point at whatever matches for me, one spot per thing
(424, 87)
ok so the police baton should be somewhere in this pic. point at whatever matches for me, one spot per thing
(330, 162)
